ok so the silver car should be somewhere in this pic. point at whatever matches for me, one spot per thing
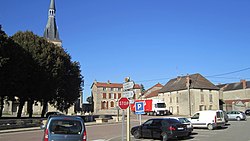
(236, 115)
(185, 121)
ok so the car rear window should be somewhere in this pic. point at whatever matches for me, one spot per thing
(60, 126)
(173, 121)
(219, 114)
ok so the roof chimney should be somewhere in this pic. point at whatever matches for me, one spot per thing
(244, 83)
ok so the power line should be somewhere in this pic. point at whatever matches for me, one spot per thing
(230, 72)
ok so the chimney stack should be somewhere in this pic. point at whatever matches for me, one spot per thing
(244, 83)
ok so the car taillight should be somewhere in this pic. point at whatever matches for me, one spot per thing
(171, 128)
(46, 135)
(215, 119)
(84, 136)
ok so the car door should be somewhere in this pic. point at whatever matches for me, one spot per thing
(156, 129)
(195, 120)
(146, 130)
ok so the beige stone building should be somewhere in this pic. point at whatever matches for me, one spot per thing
(106, 95)
(236, 96)
(188, 94)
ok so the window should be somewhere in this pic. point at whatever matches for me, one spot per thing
(111, 104)
(210, 98)
(111, 89)
(210, 107)
(202, 97)
(170, 99)
(104, 89)
(109, 95)
(104, 95)
(119, 95)
(114, 95)
(177, 100)
(119, 89)
(196, 116)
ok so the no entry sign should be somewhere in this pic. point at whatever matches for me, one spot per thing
(123, 103)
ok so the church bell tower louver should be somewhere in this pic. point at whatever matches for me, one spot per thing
(51, 32)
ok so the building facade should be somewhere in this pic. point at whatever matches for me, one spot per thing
(106, 96)
(188, 94)
(236, 96)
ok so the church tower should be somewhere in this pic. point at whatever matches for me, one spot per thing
(51, 32)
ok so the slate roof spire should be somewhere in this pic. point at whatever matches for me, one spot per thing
(51, 32)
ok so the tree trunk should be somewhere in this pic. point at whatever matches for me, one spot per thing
(1, 106)
(45, 105)
(20, 109)
(30, 107)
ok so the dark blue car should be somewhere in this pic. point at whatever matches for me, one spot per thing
(159, 127)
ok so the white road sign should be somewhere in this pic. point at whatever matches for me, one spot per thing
(128, 94)
(128, 85)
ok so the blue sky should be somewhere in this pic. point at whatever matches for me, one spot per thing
(149, 40)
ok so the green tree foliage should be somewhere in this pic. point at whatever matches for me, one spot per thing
(56, 79)
(14, 69)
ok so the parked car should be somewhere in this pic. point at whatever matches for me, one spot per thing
(185, 121)
(156, 128)
(247, 112)
(225, 116)
(210, 119)
(71, 128)
(236, 115)
(53, 113)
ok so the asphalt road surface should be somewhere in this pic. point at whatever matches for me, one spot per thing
(234, 131)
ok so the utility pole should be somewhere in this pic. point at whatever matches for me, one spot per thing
(189, 95)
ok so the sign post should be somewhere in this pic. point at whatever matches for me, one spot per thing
(128, 92)
(123, 103)
(139, 109)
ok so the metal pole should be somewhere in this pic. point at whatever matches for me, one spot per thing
(128, 124)
(140, 118)
(123, 118)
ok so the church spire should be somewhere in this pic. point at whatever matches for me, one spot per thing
(51, 32)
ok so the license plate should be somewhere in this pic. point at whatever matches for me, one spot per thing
(180, 128)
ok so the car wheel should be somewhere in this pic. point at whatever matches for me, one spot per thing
(137, 134)
(238, 118)
(210, 127)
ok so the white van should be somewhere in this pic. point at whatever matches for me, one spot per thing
(208, 119)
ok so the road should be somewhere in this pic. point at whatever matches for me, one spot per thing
(235, 131)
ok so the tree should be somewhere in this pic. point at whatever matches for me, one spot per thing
(14, 69)
(90, 99)
(142, 88)
(57, 79)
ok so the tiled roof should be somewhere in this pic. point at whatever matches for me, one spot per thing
(113, 85)
(233, 86)
(149, 93)
(197, 82)
(152, 94)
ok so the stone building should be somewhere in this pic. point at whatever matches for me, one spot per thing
(188, 94)
(236, 96)
(106, 95)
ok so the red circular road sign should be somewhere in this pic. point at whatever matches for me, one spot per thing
(123, 103)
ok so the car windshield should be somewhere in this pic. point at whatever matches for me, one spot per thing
(65, 127)
(160, 105)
